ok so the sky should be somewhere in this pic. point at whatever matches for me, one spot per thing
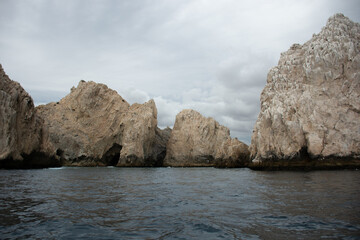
(212, 56)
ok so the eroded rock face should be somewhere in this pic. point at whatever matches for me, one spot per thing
(162, 137)
(139, 136)
(310, 106)
(232, 153)
(21, 131)
(199, 141)
(95, 126)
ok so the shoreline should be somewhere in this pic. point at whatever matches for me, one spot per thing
(268, 165)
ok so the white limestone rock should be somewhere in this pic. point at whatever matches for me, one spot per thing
(310, 106)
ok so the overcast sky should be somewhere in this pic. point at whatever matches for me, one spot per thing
(211, 56)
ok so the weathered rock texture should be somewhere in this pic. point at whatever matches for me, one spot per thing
(95, 126)
(310, 106)
(159, 149)
(21, 131)
(198, 141)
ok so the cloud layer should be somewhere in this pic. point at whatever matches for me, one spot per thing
(212, 56)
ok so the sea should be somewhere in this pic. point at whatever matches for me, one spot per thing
(178, 203)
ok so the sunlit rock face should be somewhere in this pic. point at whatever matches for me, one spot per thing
(199, 141)
(21, 129)
(95, 126)
(310, 106)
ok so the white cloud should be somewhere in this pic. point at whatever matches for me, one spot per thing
(133, 95)
(167, 110)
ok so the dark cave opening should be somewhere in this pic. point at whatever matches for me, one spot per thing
(111, 157)
(304, 154)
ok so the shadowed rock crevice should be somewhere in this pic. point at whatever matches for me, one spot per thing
(30, 161)
(304, 154)
(159, 149)
(40, 160)
(111, 157)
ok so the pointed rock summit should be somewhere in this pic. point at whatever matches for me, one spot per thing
(197, 141)
(310, 106)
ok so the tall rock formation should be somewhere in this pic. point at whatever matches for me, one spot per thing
(21, 130)
(310, 106)
(198, 141)
(95, 126)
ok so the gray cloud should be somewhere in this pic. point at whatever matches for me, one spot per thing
(212, 56)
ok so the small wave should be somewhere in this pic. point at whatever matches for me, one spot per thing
(56, 168)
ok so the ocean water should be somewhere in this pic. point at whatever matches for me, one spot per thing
(178, 203)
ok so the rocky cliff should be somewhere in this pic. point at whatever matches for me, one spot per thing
(310, 106)
(199, 141)
(21, 130)
(95, 126)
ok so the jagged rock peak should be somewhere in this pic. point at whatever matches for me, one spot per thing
(310, 105)
(340, 25)
(21, 130)
(93, 92)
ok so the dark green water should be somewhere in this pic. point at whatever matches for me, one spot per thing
(178, 203)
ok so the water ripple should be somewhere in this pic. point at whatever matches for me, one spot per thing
(178, 203)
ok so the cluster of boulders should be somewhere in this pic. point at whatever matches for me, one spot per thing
(309, 118)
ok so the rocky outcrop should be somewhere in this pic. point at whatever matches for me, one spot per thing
(232, 153)
(21, 130)
(198, 141)
(95, 126)
(139, 136)
(310, 106)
